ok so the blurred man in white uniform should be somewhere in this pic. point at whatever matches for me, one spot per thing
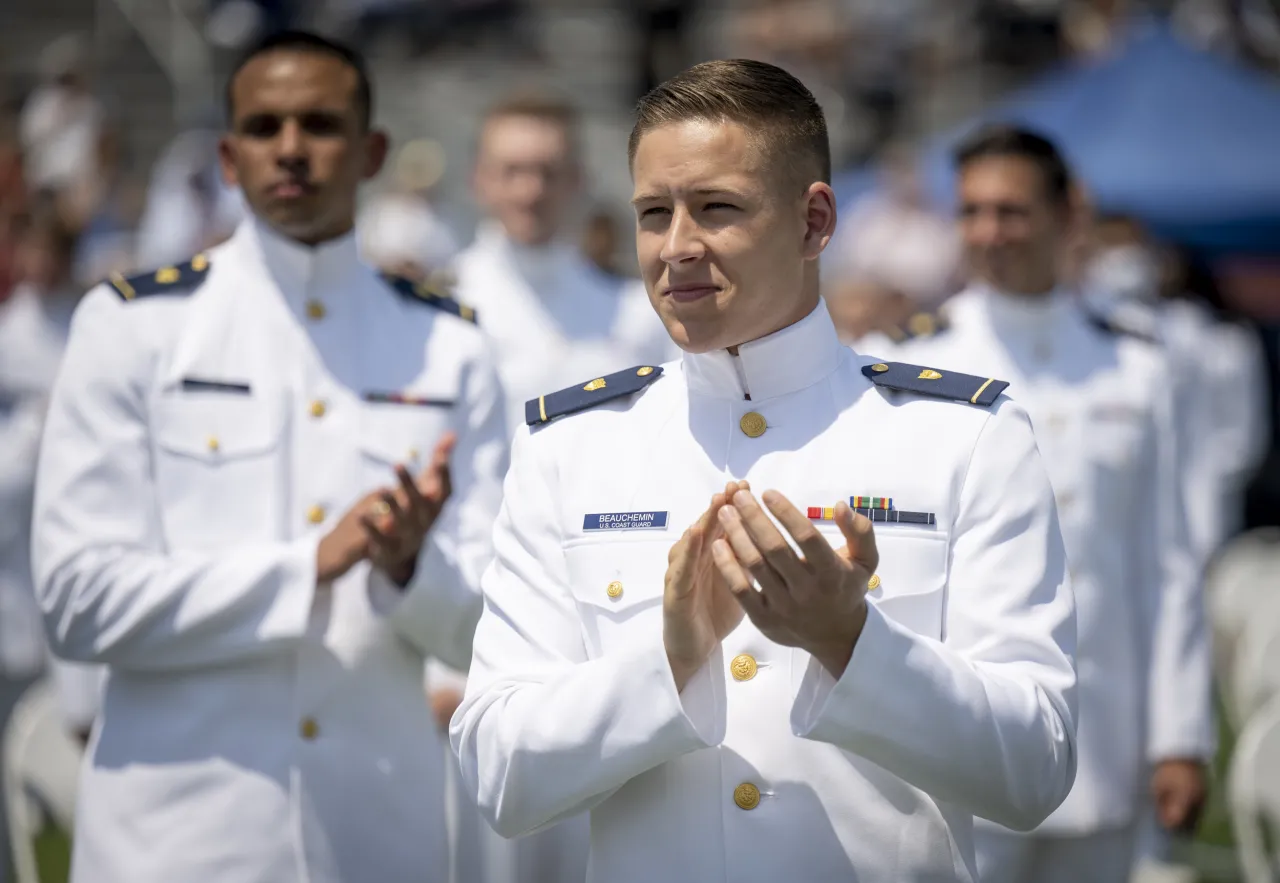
(33, 331)
(265, 495)
(552, 316)
(897, 671)
(1102, 404)
(1221, 362)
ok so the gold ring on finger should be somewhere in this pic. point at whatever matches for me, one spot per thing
(381, 507)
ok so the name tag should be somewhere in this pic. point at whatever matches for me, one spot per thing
(625, 521)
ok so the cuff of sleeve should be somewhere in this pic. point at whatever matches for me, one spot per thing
(291, 612)
(1202, 749)
(385, 597)
(701, 705)
(820, 709)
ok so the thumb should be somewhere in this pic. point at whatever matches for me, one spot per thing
(859, 537)
(444, 450)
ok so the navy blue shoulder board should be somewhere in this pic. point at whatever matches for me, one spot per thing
(951, 385)
(182, 279)
(546, 408)
(421, 292)
(1116, 326)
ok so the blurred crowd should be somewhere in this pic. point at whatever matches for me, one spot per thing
(77, 205)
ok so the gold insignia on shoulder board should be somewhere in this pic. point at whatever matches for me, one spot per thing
(879, 367)
(467, 313)
(644, 372)
(598, 383)
(929, 374)
(168, 275)
(199, 263)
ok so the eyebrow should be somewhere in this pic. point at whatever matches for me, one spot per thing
(701, 191)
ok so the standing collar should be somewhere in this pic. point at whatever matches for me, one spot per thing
(780, 363)
(295, 267)
(542, 266)
(1017, 312)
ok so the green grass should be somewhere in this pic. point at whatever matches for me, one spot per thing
(53, 856)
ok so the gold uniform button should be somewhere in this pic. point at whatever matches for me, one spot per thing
(315, 514)
(318, 408)
(879, 367)
(747, 796)
(752, 424)
(614, 590)
(309, 729)
(315, 310)
(874, 582)
(213, 443)
(743, 667)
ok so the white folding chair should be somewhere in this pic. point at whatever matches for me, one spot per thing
(41, 769)
(1242, 586)
(1254, 794)
(1255, 676)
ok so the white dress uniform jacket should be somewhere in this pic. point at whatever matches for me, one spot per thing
(553, 317)
(201, 440)
(1102, 407)
(959, 697)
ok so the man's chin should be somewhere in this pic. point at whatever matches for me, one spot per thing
(698, 337)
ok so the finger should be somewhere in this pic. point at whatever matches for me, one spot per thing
(859, 537)
(435, 481)
(396, 519)
(766, 537)
(776, 594)
(681, 562)
(415, 502)
(381, 547)
(738, 580)
(817, 552)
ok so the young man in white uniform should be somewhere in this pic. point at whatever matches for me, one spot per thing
(1103, 406)
(847, 718)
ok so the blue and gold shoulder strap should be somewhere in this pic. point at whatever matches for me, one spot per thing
(430, 295)
(175, 280)
(572, 399)
(950, 385)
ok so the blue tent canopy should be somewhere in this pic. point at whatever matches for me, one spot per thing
(1185, 140)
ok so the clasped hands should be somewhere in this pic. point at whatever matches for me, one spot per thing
(388, 526)
(814, 600)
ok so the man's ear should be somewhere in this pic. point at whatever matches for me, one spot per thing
(819, 218)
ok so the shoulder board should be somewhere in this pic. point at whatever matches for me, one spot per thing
(1117, 326)
(546, 408)
(182, 279)
(922, 325)
(951, 385)
(425, 293)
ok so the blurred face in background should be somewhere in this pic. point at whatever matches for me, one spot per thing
(299, 145)
(727, 241)
(1014, 233)
(526, 176)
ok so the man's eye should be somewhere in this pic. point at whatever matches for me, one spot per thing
(654, 211)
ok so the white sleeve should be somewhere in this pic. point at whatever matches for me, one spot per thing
(110, 590)
(1180, 677)
(544, 732)
(985, 718)
(438, 610)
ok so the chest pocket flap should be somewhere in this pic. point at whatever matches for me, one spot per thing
(910, 581)
(618, 585)
(217, 426)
